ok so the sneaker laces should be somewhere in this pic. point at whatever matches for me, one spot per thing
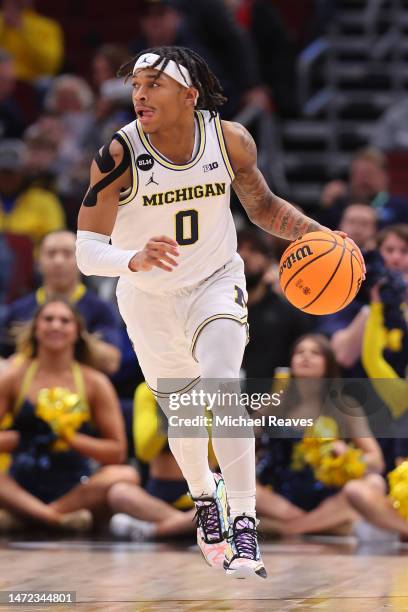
(207, 518)
(244, 537)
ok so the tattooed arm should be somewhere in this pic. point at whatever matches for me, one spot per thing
(264, 208)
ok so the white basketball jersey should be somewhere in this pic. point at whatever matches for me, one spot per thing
(189, 203)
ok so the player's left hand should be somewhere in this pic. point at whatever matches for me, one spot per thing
(359, 253)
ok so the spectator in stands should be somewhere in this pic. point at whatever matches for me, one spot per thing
(208, 27)
(70, 98)
(64, 414)
(11, 120)
(61, 277)
(26, 210)
(359, 222)
(371, 499)
(113, 107)
(106, 62)
(163, 507)
(113, 103)
(374, 358)
(35, 41)
(300, 503)
(53, 163)
(274, 323)
(393, 245)
(275, 49)
(42, 160)
(346, 328)
(113, 110)
(368, 183)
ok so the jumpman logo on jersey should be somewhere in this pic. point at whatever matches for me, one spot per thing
(151, 180)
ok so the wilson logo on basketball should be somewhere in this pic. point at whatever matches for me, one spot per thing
(298, 255)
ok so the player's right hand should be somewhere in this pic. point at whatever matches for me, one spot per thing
(156, 254)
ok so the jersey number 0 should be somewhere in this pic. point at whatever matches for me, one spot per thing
(186, 227)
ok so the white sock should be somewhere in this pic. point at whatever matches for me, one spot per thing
(241, 502)
(192, 456)
(236, 457)
(219, 350)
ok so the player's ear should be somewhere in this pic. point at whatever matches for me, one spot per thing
(192, 96)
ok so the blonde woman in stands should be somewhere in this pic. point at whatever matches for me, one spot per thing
(64, 416)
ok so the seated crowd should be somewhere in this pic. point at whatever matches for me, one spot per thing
(83, 441)
(77, 455)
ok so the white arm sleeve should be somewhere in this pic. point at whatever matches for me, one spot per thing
(95, 256)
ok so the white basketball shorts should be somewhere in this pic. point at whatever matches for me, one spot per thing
(164, 327)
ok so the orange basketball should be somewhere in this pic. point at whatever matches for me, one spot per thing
(320, 273)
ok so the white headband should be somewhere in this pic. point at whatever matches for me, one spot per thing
(175, 71)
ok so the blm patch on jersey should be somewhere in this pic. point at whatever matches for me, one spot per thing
(145, 162)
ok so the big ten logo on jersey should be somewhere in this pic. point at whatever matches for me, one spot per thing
(209, 167)
(145, 162)
(239, 296)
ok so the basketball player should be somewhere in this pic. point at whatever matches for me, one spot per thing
(160, 193)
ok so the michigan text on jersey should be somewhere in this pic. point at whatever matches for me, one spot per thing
(186, 193)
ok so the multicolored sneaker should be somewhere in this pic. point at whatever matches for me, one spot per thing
(212, 524)
(242, 556)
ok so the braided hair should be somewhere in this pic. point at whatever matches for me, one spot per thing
(210, 91)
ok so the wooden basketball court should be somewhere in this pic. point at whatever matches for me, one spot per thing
(318, 574)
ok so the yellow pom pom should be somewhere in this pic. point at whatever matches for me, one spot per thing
(63, 411)
(310, 450)
(336, 471)
(398, 481)
(315, 450)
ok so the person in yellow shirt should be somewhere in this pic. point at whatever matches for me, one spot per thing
(375, 340)
(30, 211)
(383, 507)
(35, 42)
